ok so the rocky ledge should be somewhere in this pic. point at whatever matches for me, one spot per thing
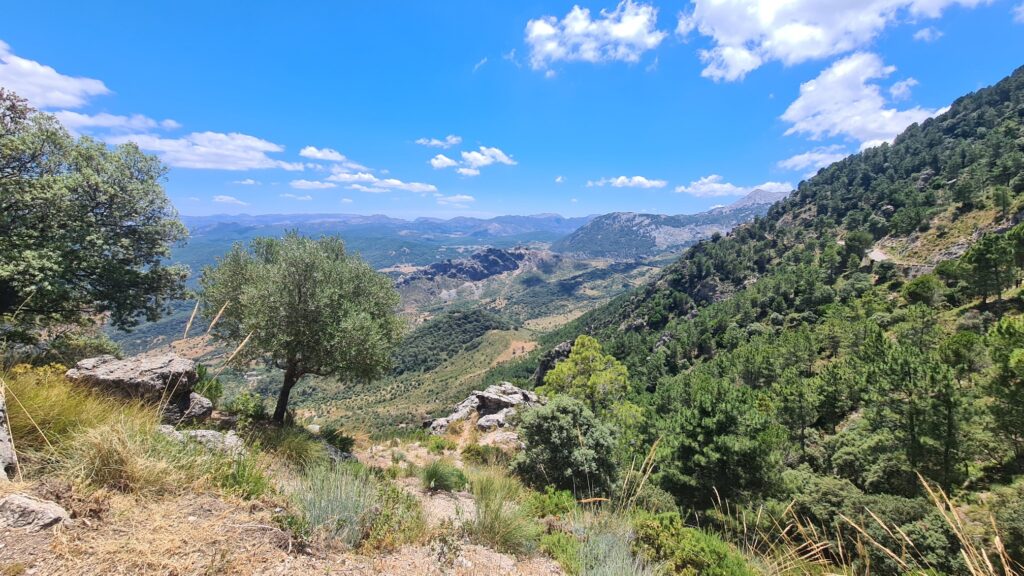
(493, 407)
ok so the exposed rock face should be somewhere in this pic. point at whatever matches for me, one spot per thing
(8, 457)
(494, 406)
(549, 360)
(490, 262)
(32, 514)
(212, 439)
(161, 378)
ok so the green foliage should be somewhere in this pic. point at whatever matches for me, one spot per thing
(293, 445)
(442, 475)
(248, 407)
(589, 375)
(84, 228)
(485, 455)
(552, 502)
(926, 289)
(335, 437)
(664, 538)
(1006, 342)
(502, 521)
(442, 337)
(306, 306)
(566, 447)
(207, 385)
(243, 476)
(990, 266)
(439, 445)
(565, 549)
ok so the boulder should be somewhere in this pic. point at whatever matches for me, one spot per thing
(492, 405)
(218, 441)
(32, 514)
(164, 378)
(8, 457)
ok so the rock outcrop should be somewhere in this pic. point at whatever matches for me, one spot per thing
(549, 360)
(8, 457)
(493, 406)
(212, 439)
(166, 379)
(28, 513)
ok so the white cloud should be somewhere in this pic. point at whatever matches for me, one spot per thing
(748, 33)
(43, 86)
(468, 171)
(224, 199)
(842, 101)
(302, 198)
(559, 179)
(485, 157)
(628, 182)
(77, 122)
(623, 34)
(326, 154)
(1018, 13)
(211, 150)
(929, 34)
(310, 185)
(456, 200)
(901, 89)
(378, 184)
(247, 182)
(479, 65)
(441, 161)
(449, 141)
(346, 200)
(714, 185)
(814, 159)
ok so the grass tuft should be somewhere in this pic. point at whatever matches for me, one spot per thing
(443, 475)
(503, 521)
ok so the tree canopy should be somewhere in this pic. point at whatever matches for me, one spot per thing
(306, 306)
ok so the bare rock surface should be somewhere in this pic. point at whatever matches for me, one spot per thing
(148, 377)
(493, 406)
(32, 514)
(212, 439)
(8, 457)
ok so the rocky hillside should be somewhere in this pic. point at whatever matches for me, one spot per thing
(478, 266)
(629, 235)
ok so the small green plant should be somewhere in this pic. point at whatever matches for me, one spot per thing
(502, 519)
(442, 475)
(335, 437)
(242, 475)
(565, 549)
(552, 502)
(447, 543)
(248, 407)
(439, 445)
(485, 455)
(294, 445)
(208, 386)
(684, 550)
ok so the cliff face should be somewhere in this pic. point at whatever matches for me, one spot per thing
(479, 266)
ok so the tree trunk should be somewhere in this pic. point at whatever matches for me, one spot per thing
(291, 376)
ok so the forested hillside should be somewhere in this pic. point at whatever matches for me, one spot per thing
(866, 330)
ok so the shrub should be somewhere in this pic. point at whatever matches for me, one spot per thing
(502, 521)
(442, 475)
(552, 502)
(689, 551)
(606, 549)
(440, 445)
(566, 447)
(334, 503)
(565, 549)
(243, 476)
(248, 407)
(294, 445)
(925, 289)
(335, 437)
(485, 455)
(207, 385)
(399, 518)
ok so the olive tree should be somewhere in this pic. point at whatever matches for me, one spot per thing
(85, 229)
(306, 306)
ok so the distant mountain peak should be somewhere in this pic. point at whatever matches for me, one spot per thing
(757, 197)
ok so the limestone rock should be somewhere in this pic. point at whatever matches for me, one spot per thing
(32, 514)
(218, 441)
(148, 377)
(493, 406)
(8, 457)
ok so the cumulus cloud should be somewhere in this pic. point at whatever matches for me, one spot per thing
(77, 122)
(246, 182)
(449, 141)
(368, 181)
(43, 86)
(714, 185)
(346, 200)
(843, 101)
(327, 154)
(441, 161)
(468, 171)
(225, 199)
(368, 189)
(901, 89)
(814, 159)
(486, 156)
(301, 198)
(559, 179)
(456, 200)
(929, 34)
(211, 150)
(628, 182)
(309, 185)
(748, 33)
(623, 34)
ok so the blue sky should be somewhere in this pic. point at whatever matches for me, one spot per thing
(487, 108)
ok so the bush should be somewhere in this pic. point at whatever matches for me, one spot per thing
(565, 549)
(485, 455)
(606, 549)
(925, 289)
(566, 447)
(439, 445)
(552, 502)
(243, 476)
(442, 475)
(502, 521)
(207, 385)
(294, 445)
(248, 407)
(665, 539)
(335, 437)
